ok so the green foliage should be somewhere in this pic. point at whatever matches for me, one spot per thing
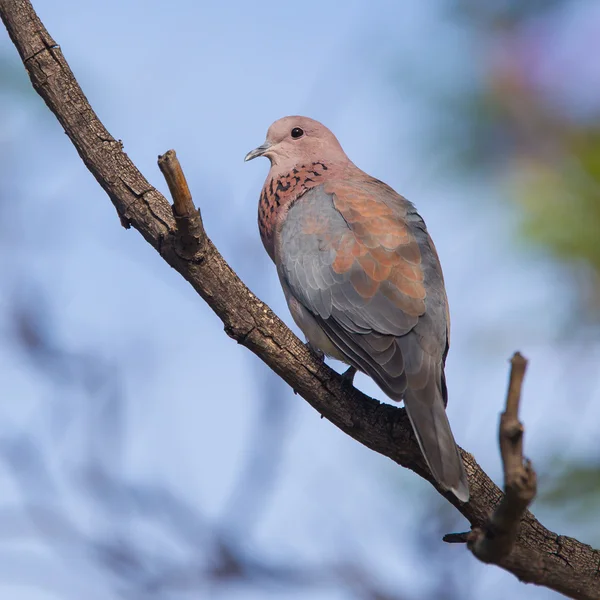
(519, 125)
(561, 198)
(575, 490)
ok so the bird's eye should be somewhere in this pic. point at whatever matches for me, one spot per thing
(297, 132)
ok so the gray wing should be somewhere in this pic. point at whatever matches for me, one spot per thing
(358, 257)
(365, 269)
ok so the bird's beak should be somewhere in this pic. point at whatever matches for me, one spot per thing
(260, 151)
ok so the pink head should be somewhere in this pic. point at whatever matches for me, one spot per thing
(295, 140)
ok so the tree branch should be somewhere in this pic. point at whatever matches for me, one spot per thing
(190, 229)
(538, 555)
(494, 541)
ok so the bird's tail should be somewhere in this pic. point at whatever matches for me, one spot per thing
(431, 426)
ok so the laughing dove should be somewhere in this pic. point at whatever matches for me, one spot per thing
(361, 277)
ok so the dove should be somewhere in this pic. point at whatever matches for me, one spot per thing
(362, 278)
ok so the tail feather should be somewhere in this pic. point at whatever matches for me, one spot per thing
(405, 372)
(431, 426)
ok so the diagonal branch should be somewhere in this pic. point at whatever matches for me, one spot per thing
(538, 555)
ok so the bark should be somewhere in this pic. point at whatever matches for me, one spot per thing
(496, 539)
(537, 555)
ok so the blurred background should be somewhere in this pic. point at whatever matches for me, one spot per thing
(143, 454)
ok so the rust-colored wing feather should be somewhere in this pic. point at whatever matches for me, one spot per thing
(357, 255)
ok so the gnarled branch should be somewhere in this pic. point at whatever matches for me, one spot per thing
(538, 555)
(495, 539)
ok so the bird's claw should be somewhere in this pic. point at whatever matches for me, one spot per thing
(318, 354)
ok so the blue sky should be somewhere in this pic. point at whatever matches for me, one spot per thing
(208, 79)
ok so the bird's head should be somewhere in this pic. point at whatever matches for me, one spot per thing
(296, 140)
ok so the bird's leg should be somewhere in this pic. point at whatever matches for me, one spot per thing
(348, 375)
(318, 354)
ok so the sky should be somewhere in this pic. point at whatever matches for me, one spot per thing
(207, 79)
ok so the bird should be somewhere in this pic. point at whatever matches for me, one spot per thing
(362, 279)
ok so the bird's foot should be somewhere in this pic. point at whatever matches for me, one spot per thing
(318, 354)
(348, 376)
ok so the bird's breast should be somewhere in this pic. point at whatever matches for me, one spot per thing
(280, 191)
